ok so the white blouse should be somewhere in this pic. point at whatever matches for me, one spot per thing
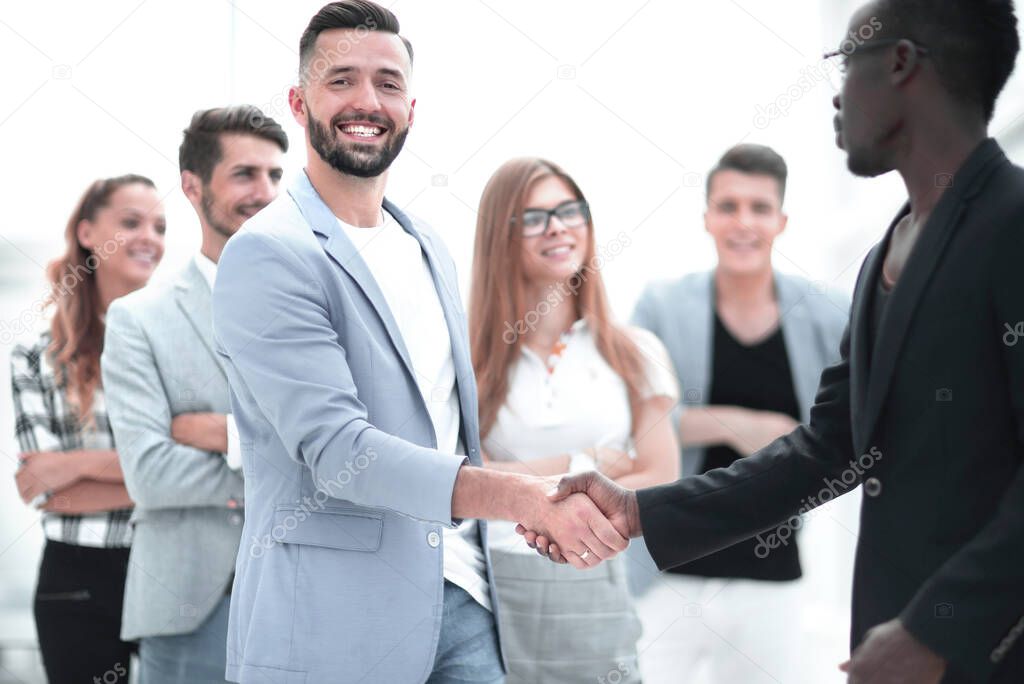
(582, 403)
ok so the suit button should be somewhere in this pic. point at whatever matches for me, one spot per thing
(235, 519)
(872, 487)
(434, 539)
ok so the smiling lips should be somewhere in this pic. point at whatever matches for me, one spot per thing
(362, 130)
(145, 256)
(558, 251)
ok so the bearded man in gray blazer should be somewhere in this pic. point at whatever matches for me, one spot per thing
(167, 397)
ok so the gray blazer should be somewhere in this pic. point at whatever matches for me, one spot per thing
(681, 313)
(339, 576)
(158, 362)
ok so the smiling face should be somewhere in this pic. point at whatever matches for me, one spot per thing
(245, 180)
(126, 235)
(558, 254)
(744, 216)
(354, 100)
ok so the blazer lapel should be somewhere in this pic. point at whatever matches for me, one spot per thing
(323, 221)
(194, 300)
(913, 282)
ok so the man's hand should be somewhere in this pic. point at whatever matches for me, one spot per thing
(572, 519)
(206, 431)
(46, 471)
(752, 430)
(617, 503)
(890, 654)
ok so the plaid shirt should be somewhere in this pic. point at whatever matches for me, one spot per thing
(45, 421)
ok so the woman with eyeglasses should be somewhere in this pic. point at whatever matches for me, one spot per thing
(562, 388)
(69, 468)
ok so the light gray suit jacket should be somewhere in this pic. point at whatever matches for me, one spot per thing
(340, 573)
(681, 313)
(158, 362)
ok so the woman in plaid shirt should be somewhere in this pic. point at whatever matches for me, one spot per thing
(69, 469)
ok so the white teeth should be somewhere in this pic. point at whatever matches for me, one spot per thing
(363, 131)
(565, 249)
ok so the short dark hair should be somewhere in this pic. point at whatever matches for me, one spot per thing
(347, 14)
(749, 158)
(973, 43)
(200, 149)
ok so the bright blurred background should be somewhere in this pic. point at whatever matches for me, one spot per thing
(636, 99)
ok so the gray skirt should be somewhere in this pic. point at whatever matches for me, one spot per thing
(560, 624)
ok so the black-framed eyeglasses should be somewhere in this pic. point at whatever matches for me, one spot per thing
(843, 62)
(572, 214)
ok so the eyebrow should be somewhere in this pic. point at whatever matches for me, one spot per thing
(383, 71)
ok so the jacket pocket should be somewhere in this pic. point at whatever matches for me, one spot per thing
(345, 530)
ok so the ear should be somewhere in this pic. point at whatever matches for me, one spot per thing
(905, 61)
(783, 222)
(412, 111)
(84, 233)
(297, 105)
(192, 186)
(707, 228)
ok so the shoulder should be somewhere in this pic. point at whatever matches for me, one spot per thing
(825, 304)
(28, 356)
(280, 227)
(152, 297)
(671, 292)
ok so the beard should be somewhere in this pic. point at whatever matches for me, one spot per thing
(362, 161)
(213, 217)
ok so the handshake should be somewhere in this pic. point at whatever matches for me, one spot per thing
(584, 519)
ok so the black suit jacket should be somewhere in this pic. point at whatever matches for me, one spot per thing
(930, 419)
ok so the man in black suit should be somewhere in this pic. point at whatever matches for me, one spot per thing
(926, 407)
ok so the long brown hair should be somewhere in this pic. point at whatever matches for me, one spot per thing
(76, 330)
(497, 303)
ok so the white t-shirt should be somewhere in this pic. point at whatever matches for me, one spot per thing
(402, 273)
(583, 403)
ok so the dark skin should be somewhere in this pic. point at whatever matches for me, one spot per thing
(893, 113)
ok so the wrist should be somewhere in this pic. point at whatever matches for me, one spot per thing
(632, 508)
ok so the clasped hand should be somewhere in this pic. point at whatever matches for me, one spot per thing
(599, 516)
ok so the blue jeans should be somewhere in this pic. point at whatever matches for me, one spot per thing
(195, 658)
(467, 652)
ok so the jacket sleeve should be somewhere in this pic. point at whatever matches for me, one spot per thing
(158, 472)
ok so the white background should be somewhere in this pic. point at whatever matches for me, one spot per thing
(635, 99)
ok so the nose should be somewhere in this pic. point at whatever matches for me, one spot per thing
(555, 226)
(265, 189)
(365, 97)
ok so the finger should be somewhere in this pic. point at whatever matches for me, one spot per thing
(556, 555)
(608, 535)
(597, 548)
(542, 543)
(577, 562)
(531, 537)
(569, 484)
(520, 529)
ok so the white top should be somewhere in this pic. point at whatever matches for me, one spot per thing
(402, 273)
(583, 403)
(208, 268)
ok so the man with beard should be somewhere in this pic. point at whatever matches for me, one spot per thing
(926, 406)
(168, 402)
(340, 324)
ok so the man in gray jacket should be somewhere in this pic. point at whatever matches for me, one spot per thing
(748, 345)
(168, 401)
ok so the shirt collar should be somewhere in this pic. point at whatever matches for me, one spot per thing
(207, 267)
